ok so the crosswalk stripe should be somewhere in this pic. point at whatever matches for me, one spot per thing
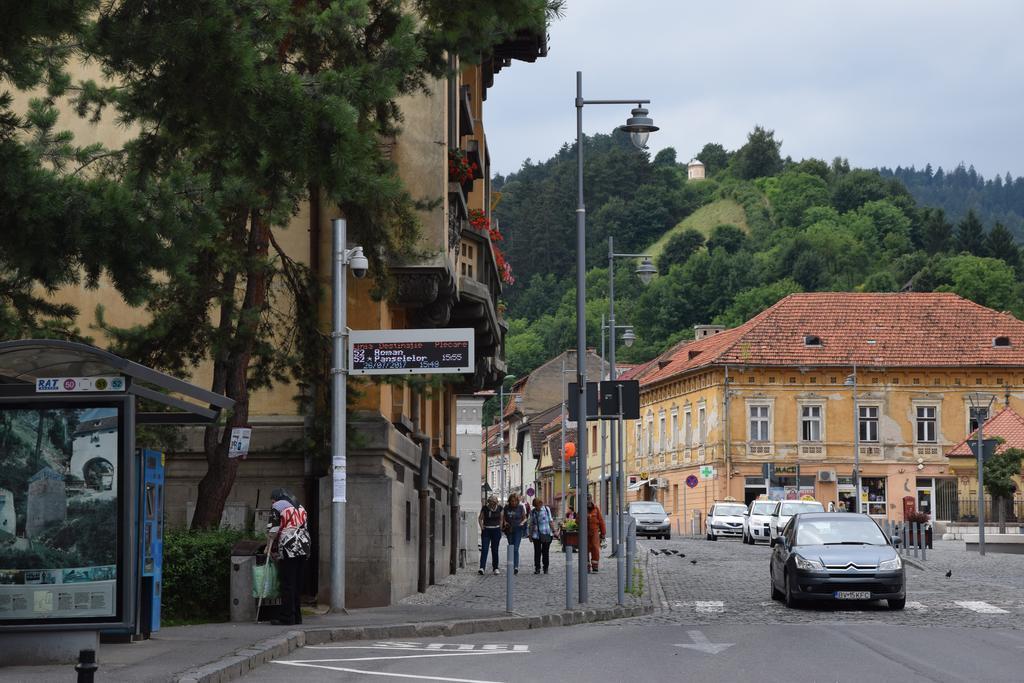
(709, 606)
(981, 606)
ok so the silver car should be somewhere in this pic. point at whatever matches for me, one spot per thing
(651, 519)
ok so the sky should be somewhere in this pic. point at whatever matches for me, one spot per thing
(882, 83)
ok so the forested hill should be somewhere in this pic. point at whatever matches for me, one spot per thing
(999, 199)
(759, 227)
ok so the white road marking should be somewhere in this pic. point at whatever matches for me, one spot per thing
(914, 604)
(702, 644)
(709, 606)
(407, 647)
(430, 656)
(382, 673)
(981, 606)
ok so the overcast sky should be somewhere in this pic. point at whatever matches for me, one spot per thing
(883, 83)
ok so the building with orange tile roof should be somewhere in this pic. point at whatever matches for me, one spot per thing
(779, 390)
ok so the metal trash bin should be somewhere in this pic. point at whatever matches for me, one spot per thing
(244, 556)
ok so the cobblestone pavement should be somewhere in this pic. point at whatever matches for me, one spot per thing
(532, 593)
(729, 584)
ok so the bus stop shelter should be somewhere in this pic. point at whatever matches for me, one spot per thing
(80, 507)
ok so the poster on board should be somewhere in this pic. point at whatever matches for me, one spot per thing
(59, 490)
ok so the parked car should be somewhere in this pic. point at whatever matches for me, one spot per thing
(651, 519)
(784, 509)
(725, 519)
(829, 556)
(757, 521)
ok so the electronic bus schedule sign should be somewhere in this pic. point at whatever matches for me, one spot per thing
(411, 352)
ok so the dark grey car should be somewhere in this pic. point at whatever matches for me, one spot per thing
(829, 556)
(651, 519)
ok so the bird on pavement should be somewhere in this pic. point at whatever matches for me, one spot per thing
(654, 551)
(949, 573)
(693, 561)
(681, 555)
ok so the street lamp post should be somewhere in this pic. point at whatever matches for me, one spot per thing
(851, 381)
(639, 126)
(628, 337)
(343, 258)
(977, 408)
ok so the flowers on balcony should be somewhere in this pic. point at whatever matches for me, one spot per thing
(461, 169)
(481, 222)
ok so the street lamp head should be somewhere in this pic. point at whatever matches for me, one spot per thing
(628, 337)
(639, 126)
(646, 270)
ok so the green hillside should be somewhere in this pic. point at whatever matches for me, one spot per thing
(703, 219)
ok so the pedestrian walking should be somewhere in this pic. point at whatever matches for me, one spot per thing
(540, 533)
(490, 533)
(595, 534)
(289, 544)
(514, 524)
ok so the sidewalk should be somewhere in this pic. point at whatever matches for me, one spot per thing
(460, 604)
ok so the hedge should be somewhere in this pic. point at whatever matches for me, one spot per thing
(197, 575)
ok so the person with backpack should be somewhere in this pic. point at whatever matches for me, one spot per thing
(540, 533)
(490, 533)
(289, 544)
(514, 523)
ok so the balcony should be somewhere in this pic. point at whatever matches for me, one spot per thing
(760, 449)
(811, 451)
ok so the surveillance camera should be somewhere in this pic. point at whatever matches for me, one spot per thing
(358, 263)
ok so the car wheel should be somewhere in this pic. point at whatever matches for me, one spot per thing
(776, 593)
(668, 537)
(713, 537)
(707, 536)
(897, 604)
(790, 598)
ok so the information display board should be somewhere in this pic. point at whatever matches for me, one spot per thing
(411, 352)
(61, 490)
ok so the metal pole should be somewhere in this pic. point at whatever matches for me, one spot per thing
(620, 555)
(502, 496)
(618, 501)
(565, 507)
(339, 404)
(581, 346)
(981, 480)
(856, 442)
(604, 434)
(509, 560)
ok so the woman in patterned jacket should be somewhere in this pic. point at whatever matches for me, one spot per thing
(289, 545)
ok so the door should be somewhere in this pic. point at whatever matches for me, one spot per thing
(925, 498)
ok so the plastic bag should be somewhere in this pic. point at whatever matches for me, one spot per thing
(265, 576)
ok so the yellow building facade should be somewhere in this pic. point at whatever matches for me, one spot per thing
(707, 414)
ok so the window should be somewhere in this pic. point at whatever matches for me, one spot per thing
(673, 435)
(702, 425)
(1001, 341)
(873, 495)
(662, 433)
(810, 423)
(688, 429)
(759, 423)
(649, 434)
(926, 424)
(976, 416)
(812, 340)
(868, 423)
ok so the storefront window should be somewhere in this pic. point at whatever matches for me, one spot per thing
(785, 488)
(873, 495)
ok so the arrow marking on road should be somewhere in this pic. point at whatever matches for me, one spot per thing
(702, 644)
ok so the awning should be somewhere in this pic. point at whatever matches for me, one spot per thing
(24, 361)
(636, 486)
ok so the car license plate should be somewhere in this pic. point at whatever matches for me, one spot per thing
(852, 595)
(651, 528)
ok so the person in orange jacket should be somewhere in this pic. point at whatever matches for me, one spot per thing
(595, 534)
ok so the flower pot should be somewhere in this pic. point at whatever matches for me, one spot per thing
(570, 537)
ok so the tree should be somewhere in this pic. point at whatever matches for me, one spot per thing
(61, 224)
(750, 302)
(292, 96)
(679, 248)
(999, 243)
(714, 157)
(793, 194)
(987, 281)
(759, 157)
(728, 237)
(854, 188)
(999, 472)
(937, 233)
(970, 235)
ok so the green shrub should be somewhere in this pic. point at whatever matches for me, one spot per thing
(197, 575)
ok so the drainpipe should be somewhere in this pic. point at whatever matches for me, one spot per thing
(728, 441)
(423, 487)
(455, 525)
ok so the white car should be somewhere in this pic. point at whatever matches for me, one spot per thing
(725, 519)
(784, 511)
(757, 521)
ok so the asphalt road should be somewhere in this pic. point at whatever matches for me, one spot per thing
(722, 652)
(714, 621)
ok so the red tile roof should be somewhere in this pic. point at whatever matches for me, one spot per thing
(1007, 424)
(872, 330)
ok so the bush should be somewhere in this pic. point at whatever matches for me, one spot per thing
(197, 575)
